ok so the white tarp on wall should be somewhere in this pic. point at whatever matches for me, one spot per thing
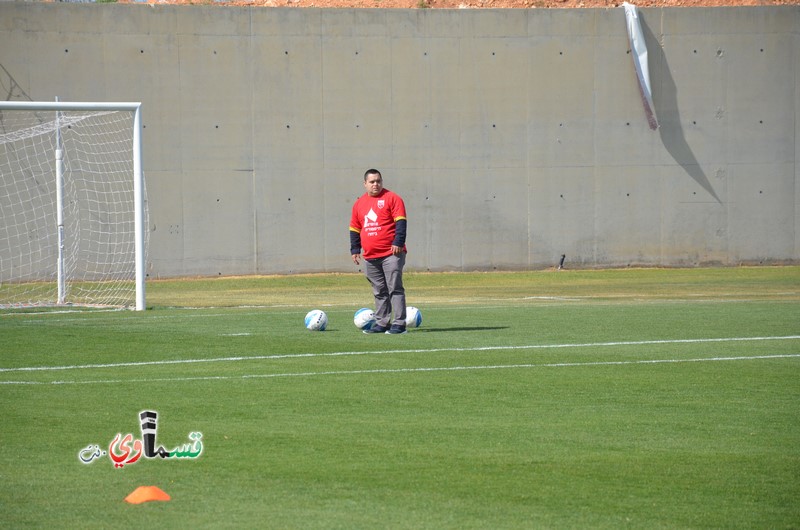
(639, 54)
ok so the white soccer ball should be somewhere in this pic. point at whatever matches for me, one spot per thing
(413, 317)
(316, 320)
(364, 318)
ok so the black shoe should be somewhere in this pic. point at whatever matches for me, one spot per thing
(377, 328)
(396, 330)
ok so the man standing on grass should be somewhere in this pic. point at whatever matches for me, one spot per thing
(378, 226)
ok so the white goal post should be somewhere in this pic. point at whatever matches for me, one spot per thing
(72, 204)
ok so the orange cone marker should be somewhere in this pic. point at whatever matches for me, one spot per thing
(146, 493)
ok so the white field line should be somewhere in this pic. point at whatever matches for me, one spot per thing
(404, 370)
(384, 352)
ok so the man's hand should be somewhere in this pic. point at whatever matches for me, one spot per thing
(396, 251)
(356, 258)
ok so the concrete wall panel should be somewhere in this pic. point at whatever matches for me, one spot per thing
(156, 57)
(69, 65)
(694, 225)
(215, 102)
(440, 228)
(292, 222)
(287, 103)
(795, 66)
(426, 95)
(494, 71)
(759, 130)
(561, 215)
(167, 223)
(218, 222)
(356, 97)
(560, 107)
(627, 225)
(761, 216)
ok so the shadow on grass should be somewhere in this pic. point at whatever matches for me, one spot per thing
(460, 328)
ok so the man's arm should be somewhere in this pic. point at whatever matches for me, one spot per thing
(399, 236)
(400, 233)
(355, 245)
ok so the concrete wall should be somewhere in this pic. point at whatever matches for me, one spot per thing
(514, 136)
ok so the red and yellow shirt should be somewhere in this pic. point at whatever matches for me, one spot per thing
(374, 219)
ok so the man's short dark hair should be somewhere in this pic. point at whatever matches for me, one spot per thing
(372, 172)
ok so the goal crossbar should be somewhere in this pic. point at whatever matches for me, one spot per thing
(137, 175)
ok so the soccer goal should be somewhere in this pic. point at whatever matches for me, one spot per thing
(72, 205)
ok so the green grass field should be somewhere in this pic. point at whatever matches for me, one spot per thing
(571, 399)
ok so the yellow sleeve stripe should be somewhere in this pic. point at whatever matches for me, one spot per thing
(356, 230)
(401, 218)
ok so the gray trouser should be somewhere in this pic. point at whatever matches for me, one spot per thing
(386, 277)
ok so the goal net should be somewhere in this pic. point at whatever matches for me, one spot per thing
(72, 206)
